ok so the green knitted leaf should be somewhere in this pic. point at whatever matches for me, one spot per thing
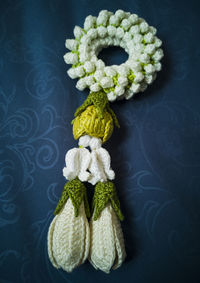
(100, 101)
(85, 104)
(76, 191)
(105, 192)
(112, 113)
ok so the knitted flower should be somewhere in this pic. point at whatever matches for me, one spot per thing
(69, 235)
(88, 122)
(100, 167)
(94, 118)
(77, 163)
(107, 244)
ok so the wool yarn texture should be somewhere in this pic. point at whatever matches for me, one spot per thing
(80, 231)
(123, 29)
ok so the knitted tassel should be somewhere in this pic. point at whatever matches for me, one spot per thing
(69, 235)
(107, 248)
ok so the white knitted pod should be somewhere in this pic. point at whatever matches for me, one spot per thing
(50, 242)
(69, 238)
(107, 248)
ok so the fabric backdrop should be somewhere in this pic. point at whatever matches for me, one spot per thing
(155, 154)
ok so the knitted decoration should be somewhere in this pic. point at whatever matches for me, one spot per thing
(120, 29)
(71, 240)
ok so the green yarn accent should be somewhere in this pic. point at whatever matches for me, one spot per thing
(77, 65)
(75, 52)
(100, 101)
(76, 191)
(115, 79)
(105, 193)
(131, 77)
(112, 113)
(109, 89)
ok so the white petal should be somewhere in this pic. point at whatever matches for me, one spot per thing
(71, 44)
(102, 249)
(111, 30)
(104, 157)
(72, 73)
(89, 66)
(133, 18)
(102, 31)
(96, 169)
(84, 141)
(106, 82)
(111, 96)
(114, 20)
(87, 243)
(89, 22)
(81, 84)
(69, 237)
(84, 162)
(78, 32)
(72, 164)
(50, 242)
(95, 87)
(119, 241)
(95, 143)
(120, 14)
(71, 58)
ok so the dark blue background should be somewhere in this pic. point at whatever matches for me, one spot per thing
(156, 153)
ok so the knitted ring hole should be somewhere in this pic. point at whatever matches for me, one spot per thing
(113, 55)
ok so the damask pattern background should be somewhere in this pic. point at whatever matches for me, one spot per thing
(155, 154)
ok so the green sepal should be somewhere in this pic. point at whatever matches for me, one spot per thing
(76, 191)
(112, 113)
(100, 101)
(105, 193)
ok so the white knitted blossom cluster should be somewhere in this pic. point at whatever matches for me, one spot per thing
(122, 29)
(88, 166)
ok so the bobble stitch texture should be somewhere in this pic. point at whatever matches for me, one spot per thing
(120, 29)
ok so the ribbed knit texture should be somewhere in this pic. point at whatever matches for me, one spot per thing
(105, 193)
(76, 191)
(107, 244)
(95, 117)
(69, 237)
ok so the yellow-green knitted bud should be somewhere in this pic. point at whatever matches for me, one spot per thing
(89, 122)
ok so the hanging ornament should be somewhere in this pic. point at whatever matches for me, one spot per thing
(71, 239)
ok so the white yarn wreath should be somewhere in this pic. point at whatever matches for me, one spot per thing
(122, 29)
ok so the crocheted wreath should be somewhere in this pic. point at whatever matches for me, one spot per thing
(122, 29)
